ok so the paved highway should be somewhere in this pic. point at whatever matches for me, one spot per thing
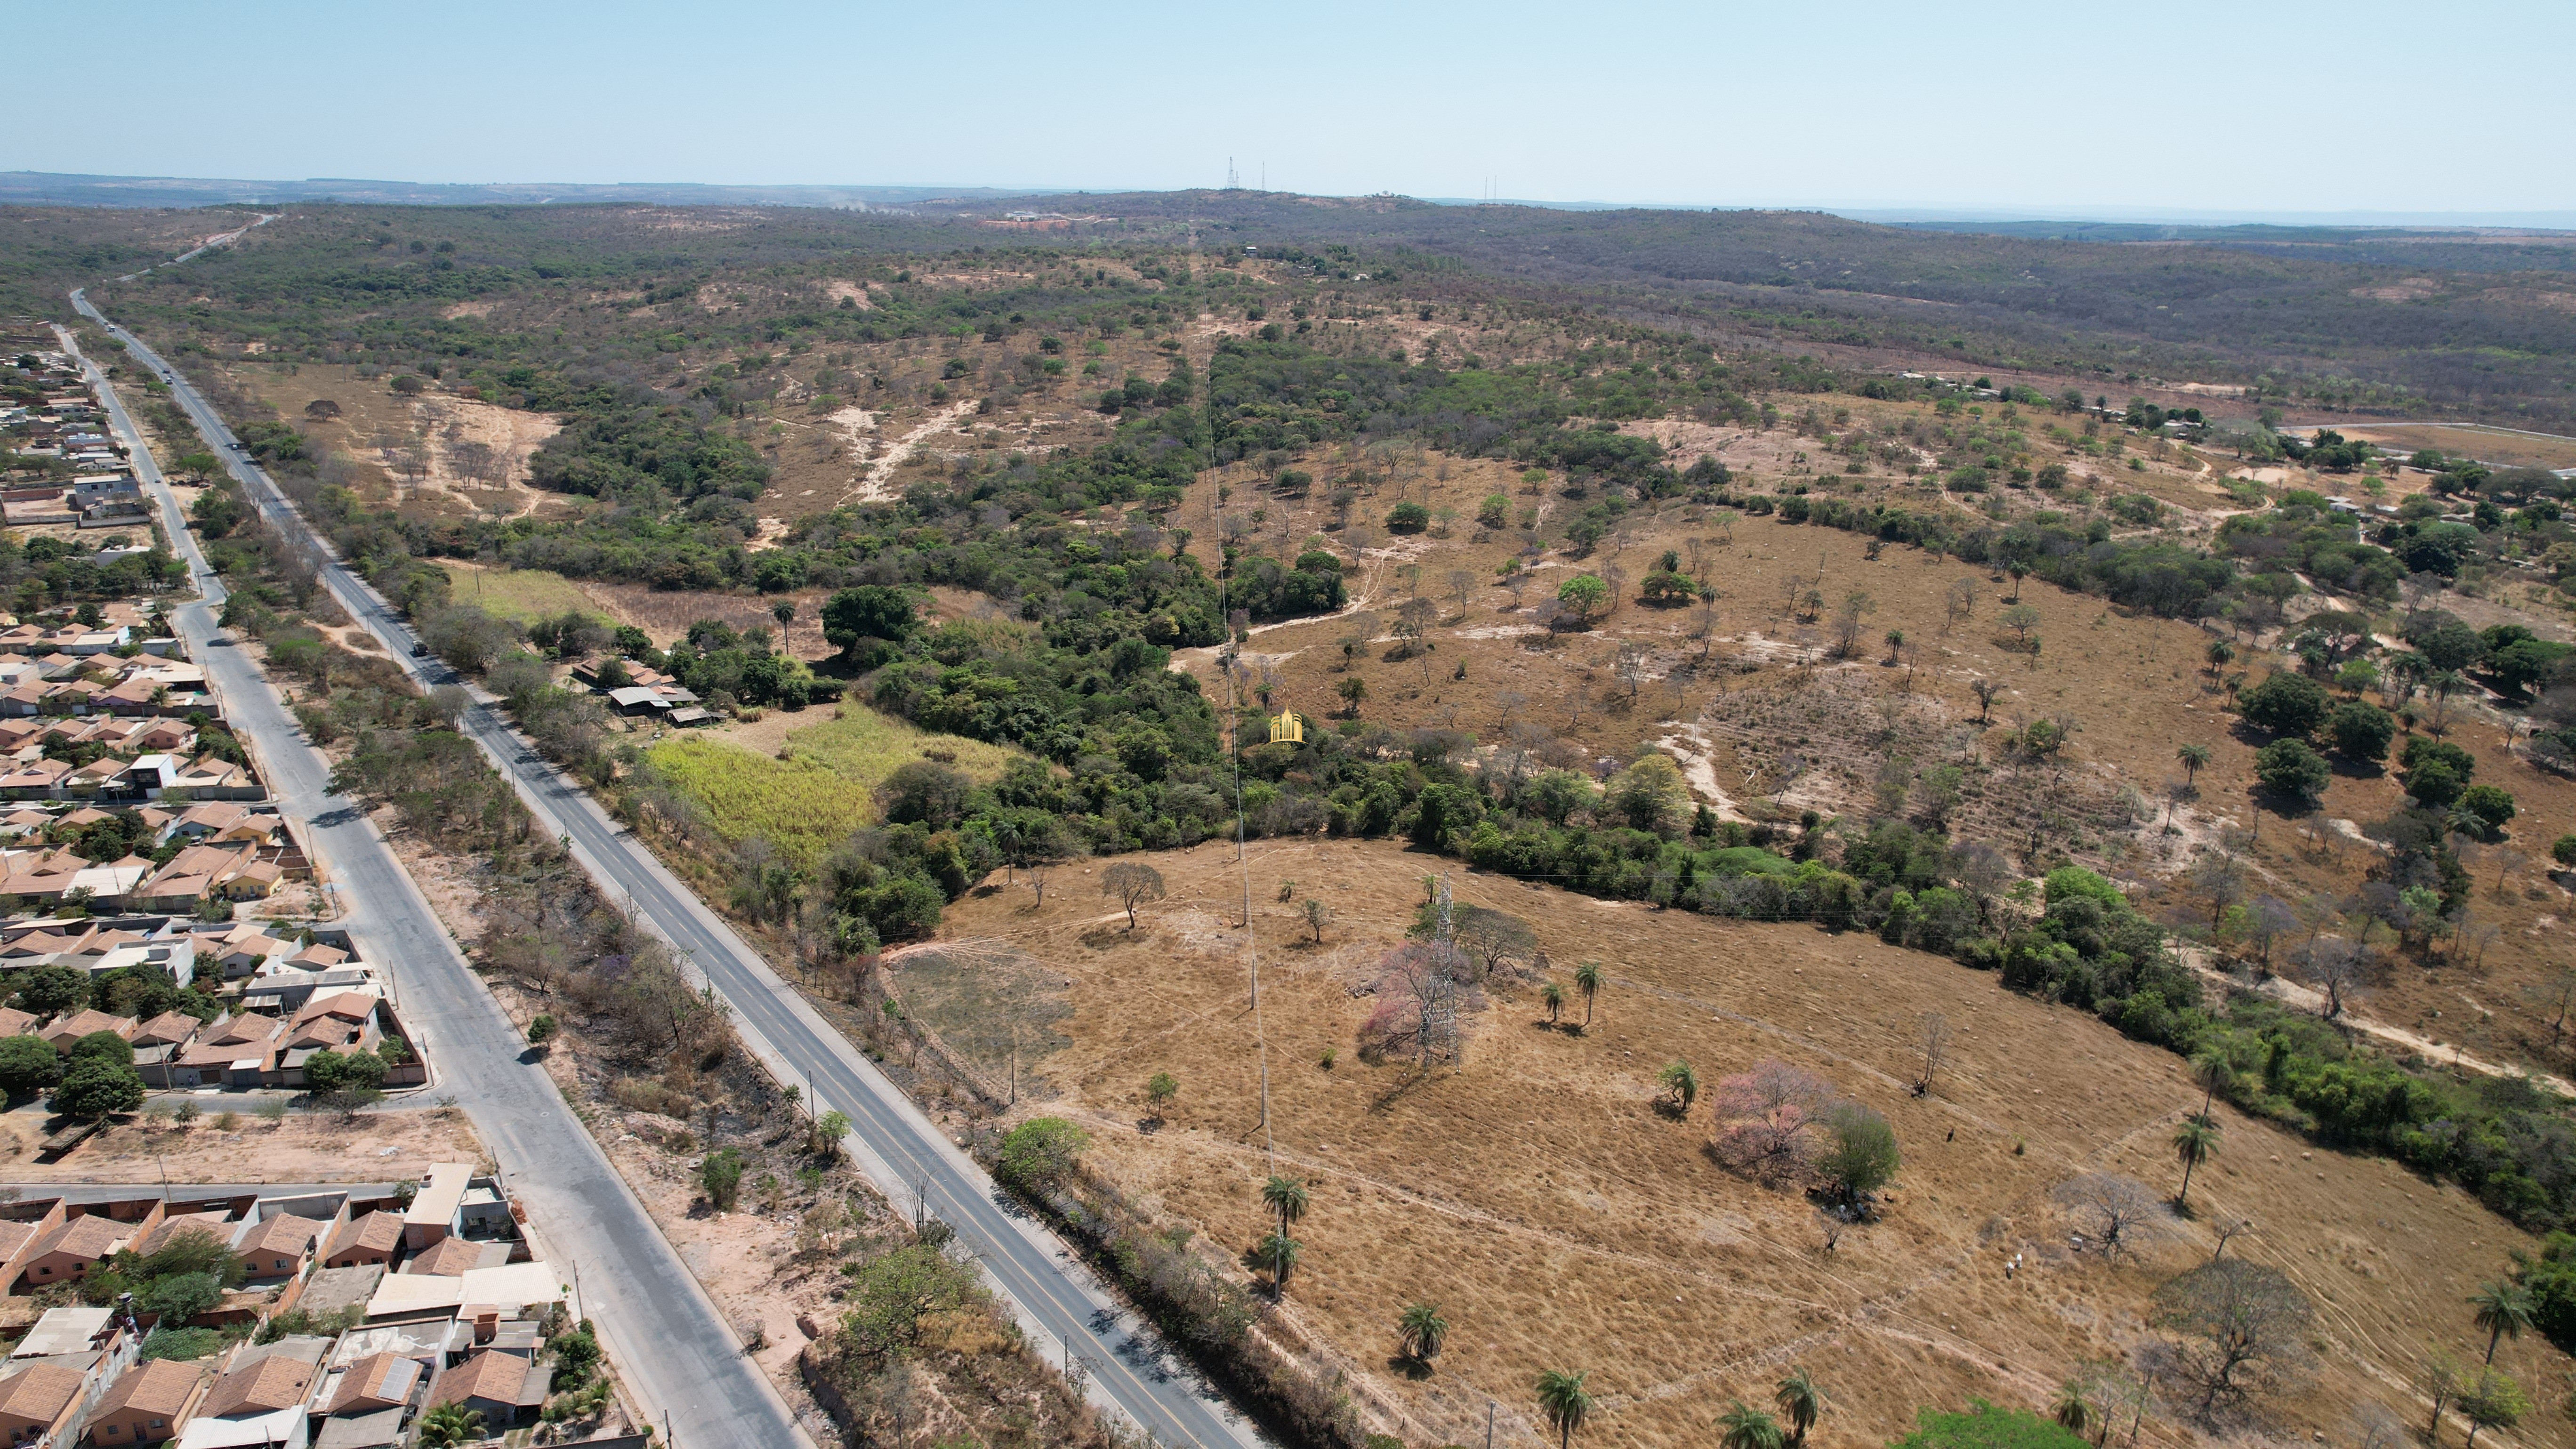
(1052, 1294)
(679, 1357)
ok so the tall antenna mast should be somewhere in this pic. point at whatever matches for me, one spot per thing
(1229, 174)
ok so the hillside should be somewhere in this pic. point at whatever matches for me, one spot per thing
(1560, 1221)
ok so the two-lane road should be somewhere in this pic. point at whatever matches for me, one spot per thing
(677, 1354)
(1053, 1295)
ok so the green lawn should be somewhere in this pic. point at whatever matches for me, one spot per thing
(810, 802)
(521, 594)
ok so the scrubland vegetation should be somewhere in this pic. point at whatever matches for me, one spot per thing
(1893, 821)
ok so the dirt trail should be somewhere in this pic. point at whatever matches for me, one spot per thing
(2288, 993)
(872, 484)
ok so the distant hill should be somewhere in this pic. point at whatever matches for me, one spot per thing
(45, 188)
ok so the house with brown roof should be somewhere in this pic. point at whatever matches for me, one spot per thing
(82, 1023)
(456, 1257)
(68, 1251)
(375, 1238)
(149, 1404)
(18, 1235)
(40, 1403)
(14, 1022)
(280, 1248)
(239, 1052)
(169, 1029)
(260, 1402)
(378, 1381)
(505, 1388)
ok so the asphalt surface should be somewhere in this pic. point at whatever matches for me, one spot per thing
(679, 1357)
(1054, 1297)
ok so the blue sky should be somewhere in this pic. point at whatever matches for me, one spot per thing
(2187, 107)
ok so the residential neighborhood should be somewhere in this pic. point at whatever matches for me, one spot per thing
(345, 1318)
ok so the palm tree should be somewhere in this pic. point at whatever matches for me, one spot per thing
(1799, 1399)
(450, 1424)
(1587, 979)
(1562, 1399)
(2209, 1068)
(1422, 1330)
(1748, 1428)
(2504, 1311)
(1285, 1196)
(2075, 1412)
(2195, 758)
(1554, 996)
(1683, 1083)
(2220, 654)
(2194, 1142)
(1278, 1253)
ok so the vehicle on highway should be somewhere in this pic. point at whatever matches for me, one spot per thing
(420, 651)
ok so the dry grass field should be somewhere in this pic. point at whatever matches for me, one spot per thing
(1561, 1221)
(1765, 721)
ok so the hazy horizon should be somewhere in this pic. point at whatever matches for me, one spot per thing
(2211, 112)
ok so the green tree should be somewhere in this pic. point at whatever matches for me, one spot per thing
(2492, 805)
(1352, 689)
(1587, 979)
(100, 1046)
(2504, 1310)
(1801, 1401)
(98, 1088)
(1861, 1153)
(721, 1176)
(1743, 1426)
(1682, 1082)
(1042, 1152)
(2287, 704)
(53, 990)
(541, 1030)
(1160, 1089)
(1583, 596)
(1421, 1331)
(2194, 1142)
(2494, 1401)
(1563, 1402)
(1554, 996)
(2290, 767)
(28, 1065)
(871, 611)
(2361, 732)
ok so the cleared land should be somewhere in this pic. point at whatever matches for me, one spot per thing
(1561, 1221)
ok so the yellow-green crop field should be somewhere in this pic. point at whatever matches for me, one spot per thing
(811, 801)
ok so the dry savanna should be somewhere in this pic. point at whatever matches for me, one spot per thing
(1546, 1196)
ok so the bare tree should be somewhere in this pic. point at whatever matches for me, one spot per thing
(1987, 692)
(1932, 1039)
(2119, 1211)
(1133, 883)
(2336, 967)
(2553, 999)
(1462, 587)
(2239, 1327)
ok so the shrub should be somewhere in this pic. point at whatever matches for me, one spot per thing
(1986, 1427)
(1408, 518)
(98, 1088)
(1041, 1152)
(721, 1176)
(2290, 767)
(2290, 705)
